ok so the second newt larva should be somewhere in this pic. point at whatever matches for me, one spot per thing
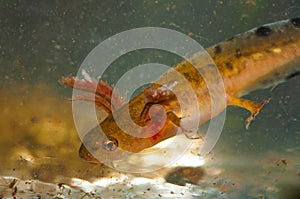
(259, 58)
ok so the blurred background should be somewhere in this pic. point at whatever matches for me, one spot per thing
(41, 41)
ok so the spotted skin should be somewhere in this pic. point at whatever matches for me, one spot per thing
(259, 58)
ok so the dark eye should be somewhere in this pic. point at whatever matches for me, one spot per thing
(110, 144)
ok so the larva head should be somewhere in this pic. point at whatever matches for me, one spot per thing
(107, 142)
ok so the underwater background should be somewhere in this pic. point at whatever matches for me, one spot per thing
(41, 41)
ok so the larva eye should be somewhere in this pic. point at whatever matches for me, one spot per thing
(110, 143)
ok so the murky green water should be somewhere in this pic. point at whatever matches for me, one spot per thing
(44, 40)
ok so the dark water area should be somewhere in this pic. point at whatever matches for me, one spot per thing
(42, 41)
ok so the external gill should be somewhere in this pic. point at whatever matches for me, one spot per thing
(100, 93)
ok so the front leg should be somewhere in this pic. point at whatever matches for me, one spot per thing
(190, 134)
(157, 96)
(160, 96)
